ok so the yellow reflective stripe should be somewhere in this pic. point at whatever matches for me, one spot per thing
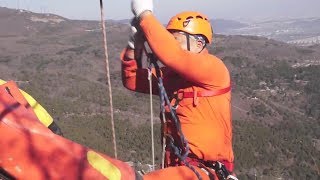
(104, 166)
(40, 112)
(2, 82)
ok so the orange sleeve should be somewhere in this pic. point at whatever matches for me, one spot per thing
(202, 69)
(136, 79)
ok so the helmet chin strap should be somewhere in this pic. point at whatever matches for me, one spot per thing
(188, 41)
(204, 46)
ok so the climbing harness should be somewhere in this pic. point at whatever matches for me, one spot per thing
(108, 76)
(204, 93)
(5, 175)
(220, 168)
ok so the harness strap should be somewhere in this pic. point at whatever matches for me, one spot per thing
(223, 169)
(195, 161)
(229, 165)
(209, 93)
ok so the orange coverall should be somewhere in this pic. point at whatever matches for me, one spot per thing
(205, 121)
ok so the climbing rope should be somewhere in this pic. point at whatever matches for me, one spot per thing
(180, 152)
(108, 77)
(151, 112)
(151, 115)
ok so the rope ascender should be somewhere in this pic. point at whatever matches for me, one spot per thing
(105, 45)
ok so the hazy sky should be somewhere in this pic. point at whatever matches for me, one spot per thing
(164, 9)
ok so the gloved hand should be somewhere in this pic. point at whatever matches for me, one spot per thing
(136, 37)
(139, 6)
(132, 38)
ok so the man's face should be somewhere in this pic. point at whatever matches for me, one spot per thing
(195, 45)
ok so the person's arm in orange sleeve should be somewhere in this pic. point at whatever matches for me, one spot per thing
(134, 78)
(202, 68)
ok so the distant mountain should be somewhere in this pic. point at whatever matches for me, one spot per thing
(304, 31)
(223, 26)
(22, 22)
(122, 21)
(219, 25)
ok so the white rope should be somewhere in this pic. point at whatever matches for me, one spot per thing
(163, 142)
(151, 116)
(108, 77)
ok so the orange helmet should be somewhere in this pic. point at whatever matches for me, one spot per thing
(193, 23)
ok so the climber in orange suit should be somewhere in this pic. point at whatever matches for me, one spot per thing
(197, 83)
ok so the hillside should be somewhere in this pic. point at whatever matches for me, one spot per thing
(276, 106)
